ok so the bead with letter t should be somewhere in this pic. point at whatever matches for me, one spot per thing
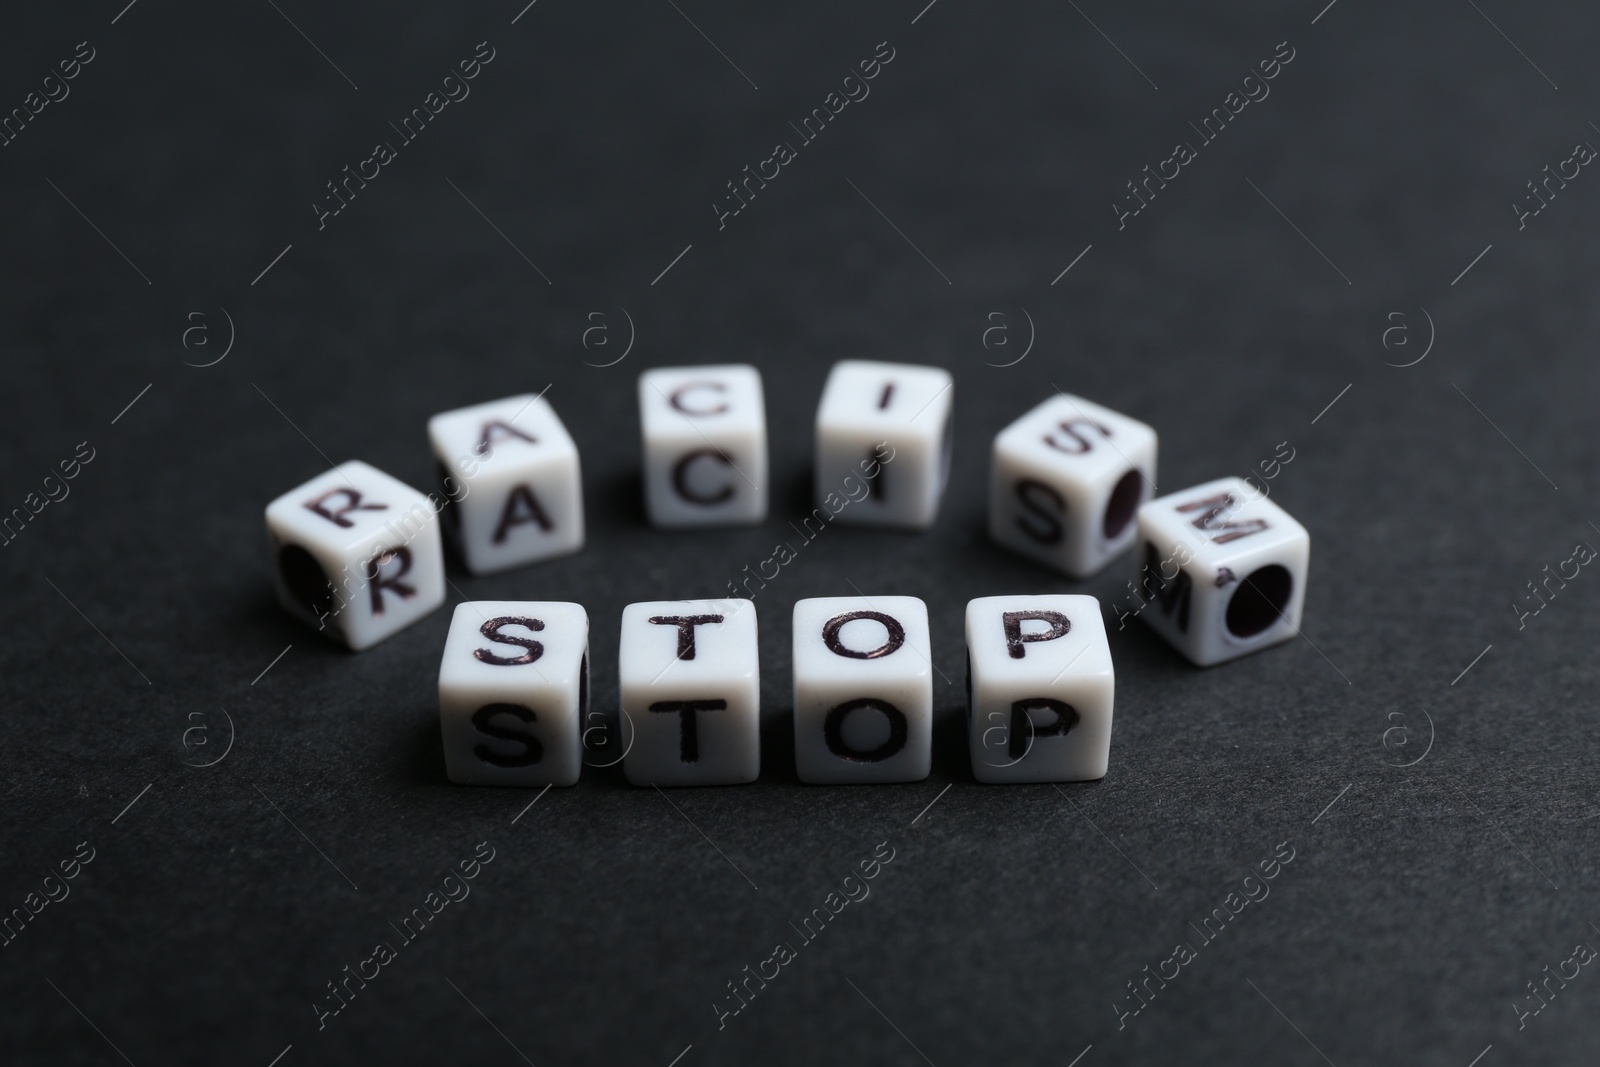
(705, 445)
(690, 686)
(1222, 570)
(863, 690)
(510, 472)
(1039, 689)
(513, 688)
(356, 554)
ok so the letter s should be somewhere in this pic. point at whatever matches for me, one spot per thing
(483, 721)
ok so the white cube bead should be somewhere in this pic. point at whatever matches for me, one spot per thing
(690, 685)
(863, 690)
(513, 689)
(1066, 481)
(510, 471)
(883, 442)
(356, 554)
(1039, 689)
(1222, 570)
(705, 445)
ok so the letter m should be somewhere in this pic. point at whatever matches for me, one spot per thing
(1172, 593)
(1213, 518)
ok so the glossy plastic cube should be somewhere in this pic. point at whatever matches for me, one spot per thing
(356, 554)
(1222, 571)
(1066, 481)
(863, 690)
(510, 471)
(1040, 688)
(513, 690)
(705, 445)
(883, 443)
(690, 684)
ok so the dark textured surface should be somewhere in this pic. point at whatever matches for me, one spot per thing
(1416, 908)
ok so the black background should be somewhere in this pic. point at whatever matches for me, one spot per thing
(1417, 906)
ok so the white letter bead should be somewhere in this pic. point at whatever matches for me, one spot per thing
(1066, 481)
(1221, 570)
(513, 690)
(356, 554)
(510, 472)
(690, 686)
(863, 690)
(1039, 689)
(883, 442)
(705, 445)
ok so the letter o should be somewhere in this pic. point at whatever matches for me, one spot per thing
(833, 730)
(830, 636)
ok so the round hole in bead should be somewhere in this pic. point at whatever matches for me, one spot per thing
(1260, 600)
(1123, 505)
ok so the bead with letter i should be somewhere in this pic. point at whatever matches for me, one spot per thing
(883, 443)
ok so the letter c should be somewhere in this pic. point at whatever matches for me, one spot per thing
(680, 477)
(676, 399)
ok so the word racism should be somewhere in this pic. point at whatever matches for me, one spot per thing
(1185, 953)
(1581, 556)
(1582, 154)
(455, 90)
(33, 903)
(1582, 955)
(810, 928)
(55, 91)
(34, 503)
(455, 890)
(1255, 90)
(855, 91)
(783, 553)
